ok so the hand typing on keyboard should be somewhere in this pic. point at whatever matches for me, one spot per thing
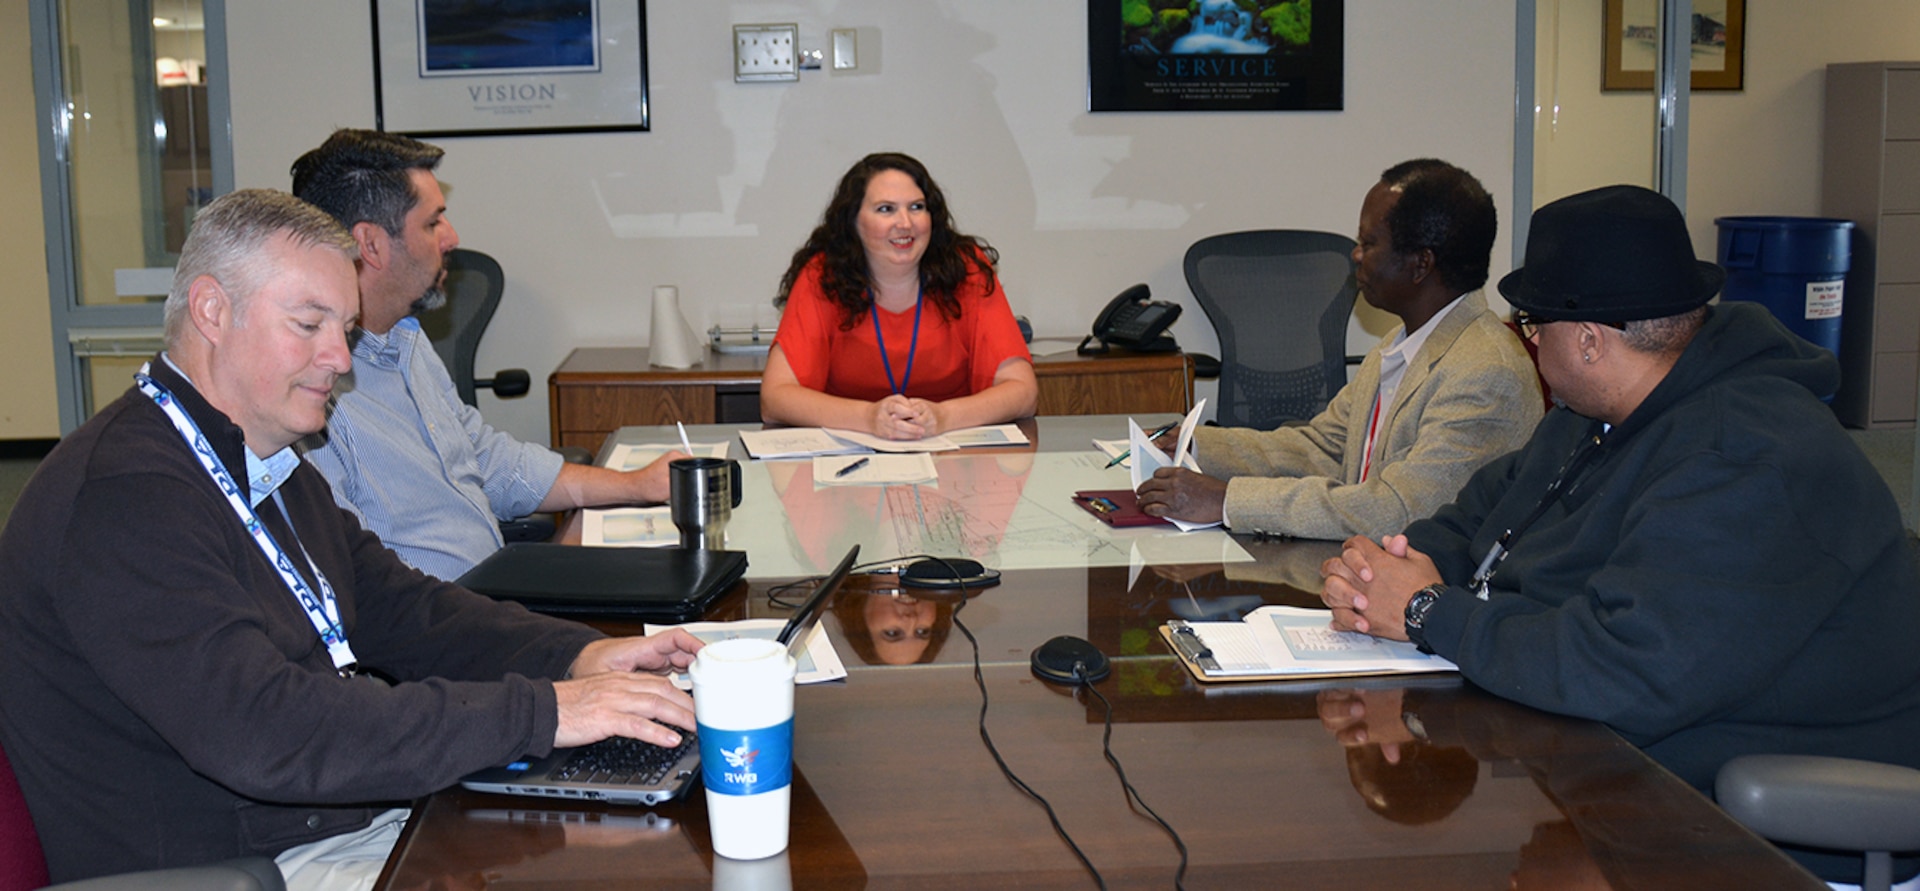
(618, 688)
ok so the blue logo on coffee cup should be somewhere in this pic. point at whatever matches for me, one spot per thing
(747, 762)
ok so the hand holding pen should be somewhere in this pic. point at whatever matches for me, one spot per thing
(1164, 430)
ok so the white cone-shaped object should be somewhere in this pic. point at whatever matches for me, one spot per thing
(674, 345)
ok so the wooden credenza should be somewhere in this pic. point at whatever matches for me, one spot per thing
(598, 390)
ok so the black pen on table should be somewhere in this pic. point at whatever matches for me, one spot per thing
(850, 468)
(1150, 437)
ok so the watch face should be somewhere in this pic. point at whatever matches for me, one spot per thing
(1419, 606)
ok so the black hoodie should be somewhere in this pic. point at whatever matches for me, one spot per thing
(1727, 574)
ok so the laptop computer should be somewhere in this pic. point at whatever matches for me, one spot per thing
(665, 585)
(628, 771)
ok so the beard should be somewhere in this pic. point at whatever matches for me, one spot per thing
(434, 298)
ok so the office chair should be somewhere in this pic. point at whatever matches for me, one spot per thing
(1279, 300)
(23, 867)
(474, 285)
(1841, 804)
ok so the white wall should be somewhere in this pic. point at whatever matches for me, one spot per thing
(1759, 151)
(1753, 151)
(989, 93)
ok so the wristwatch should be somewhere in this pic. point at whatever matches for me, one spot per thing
(1417, 609)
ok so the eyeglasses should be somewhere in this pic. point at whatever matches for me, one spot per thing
(1529, 323)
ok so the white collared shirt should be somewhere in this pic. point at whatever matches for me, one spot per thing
(1393, 368)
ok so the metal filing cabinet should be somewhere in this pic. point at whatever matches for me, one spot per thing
(1872, 176)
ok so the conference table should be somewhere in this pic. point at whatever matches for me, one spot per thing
(1413, 782)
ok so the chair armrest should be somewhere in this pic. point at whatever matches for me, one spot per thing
(1840, 803)
(246, 874)
(506, 383)
(533, 527)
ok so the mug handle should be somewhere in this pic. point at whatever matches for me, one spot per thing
(734, 471)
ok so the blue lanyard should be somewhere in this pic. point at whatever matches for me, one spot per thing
(913, 346)
(323, 610)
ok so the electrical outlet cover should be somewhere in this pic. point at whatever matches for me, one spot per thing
(766, 52)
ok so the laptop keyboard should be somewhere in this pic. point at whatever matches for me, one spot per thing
(622, 761)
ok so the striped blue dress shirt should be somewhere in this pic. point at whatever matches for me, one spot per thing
(419, 467)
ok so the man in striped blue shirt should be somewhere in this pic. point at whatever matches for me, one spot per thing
(420, 467)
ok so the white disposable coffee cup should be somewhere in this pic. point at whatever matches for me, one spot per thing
(743, 703)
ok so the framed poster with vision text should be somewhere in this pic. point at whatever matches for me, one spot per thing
(1214, 55)
(499, 67)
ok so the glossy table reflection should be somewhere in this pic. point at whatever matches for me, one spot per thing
(1294, 785)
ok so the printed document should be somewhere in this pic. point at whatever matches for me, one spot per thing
(820, 663)
(1290, 642)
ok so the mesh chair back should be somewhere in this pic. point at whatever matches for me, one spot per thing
(474, 285)
(1279, 300)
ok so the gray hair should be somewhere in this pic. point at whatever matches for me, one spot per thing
(1664, 336)
(226, 243)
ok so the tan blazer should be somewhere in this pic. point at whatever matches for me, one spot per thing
(1469, 396)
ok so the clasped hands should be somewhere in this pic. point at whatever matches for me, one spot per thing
(906, 417)
(618, 687)
(1369, 584)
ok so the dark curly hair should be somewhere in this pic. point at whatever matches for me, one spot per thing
(362, 176)
(844, 274)
(1443, 209)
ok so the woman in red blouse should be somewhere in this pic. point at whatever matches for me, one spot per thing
(894, 322)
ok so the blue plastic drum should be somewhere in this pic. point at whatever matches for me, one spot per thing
(1795, 266)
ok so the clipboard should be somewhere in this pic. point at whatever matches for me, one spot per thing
(1116, 507)
(1193, 652)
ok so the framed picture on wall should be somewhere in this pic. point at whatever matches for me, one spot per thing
(1214, 55)
(1719, 44)
(480, 67)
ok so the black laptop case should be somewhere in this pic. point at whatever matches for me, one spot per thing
(667, 585)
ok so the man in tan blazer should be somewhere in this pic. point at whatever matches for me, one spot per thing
(1446, 392)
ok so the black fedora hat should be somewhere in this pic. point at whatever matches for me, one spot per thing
(1616, 254)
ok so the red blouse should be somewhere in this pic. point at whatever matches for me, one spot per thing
(954, 358)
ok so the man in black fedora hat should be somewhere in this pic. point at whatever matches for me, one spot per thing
(1689, 548)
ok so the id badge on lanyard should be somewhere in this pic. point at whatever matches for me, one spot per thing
(323, 608)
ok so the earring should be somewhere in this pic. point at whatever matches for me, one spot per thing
(1588, 357)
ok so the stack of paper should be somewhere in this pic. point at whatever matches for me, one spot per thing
(634, 457)
(794, 442)
(802, 442)
(821, 662)
(874, 470)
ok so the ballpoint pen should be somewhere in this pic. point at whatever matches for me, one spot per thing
(1150, 437)
(850, 468)
(683, 437)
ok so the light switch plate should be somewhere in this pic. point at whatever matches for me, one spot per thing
(846, 42)
(766, 52)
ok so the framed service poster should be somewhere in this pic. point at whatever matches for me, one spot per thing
(479, 67)
(1214, 55)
